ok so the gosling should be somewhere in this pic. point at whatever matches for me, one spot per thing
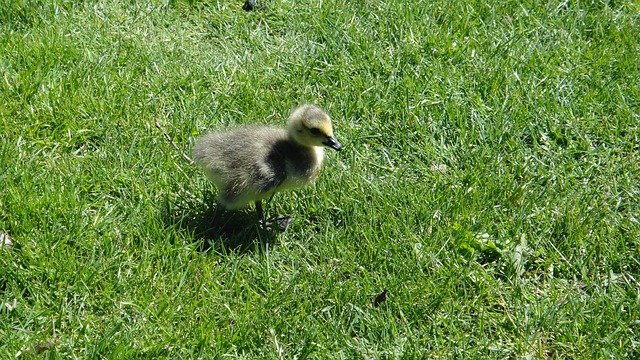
(252, 163)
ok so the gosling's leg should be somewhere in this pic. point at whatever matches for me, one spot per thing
(282, 222)
(260, 214)
(217, 214)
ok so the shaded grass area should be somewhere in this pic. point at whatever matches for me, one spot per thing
(489, 180)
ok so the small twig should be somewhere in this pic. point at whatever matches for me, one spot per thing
(170, 140)
(266, 25)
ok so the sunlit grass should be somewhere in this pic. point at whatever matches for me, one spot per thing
(489, 180)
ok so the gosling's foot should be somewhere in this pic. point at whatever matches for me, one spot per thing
(281, 223)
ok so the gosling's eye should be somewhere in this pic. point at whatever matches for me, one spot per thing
(315, 131)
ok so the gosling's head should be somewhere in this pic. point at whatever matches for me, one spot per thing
(310, 126)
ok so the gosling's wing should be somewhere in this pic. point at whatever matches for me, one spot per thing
(271, 169)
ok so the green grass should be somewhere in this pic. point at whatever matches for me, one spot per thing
(490, 180)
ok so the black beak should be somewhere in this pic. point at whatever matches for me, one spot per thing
(333, 143)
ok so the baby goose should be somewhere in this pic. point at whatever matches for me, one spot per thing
(251, 163)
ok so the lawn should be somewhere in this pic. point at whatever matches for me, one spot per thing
(490, 180)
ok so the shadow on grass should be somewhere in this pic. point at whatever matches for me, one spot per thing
(237, 231)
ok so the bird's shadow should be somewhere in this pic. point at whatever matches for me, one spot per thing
(235, 231)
